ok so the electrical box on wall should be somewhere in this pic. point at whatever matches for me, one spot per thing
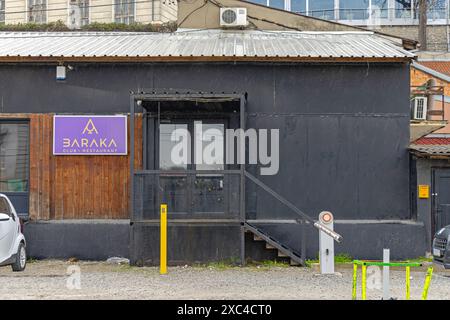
(60, 73)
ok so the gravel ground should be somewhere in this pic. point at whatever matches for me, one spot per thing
(98, 280)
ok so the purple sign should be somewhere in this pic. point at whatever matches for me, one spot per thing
(90, 135)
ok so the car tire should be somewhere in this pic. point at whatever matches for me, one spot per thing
(21, 259)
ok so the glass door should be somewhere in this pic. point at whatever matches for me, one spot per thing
(209, 145)
(192, 156)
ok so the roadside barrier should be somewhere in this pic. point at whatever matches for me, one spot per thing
(364, 264)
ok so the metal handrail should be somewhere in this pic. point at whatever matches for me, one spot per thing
(337, 237)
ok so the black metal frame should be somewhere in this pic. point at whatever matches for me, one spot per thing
(177, 96)
(303, 220)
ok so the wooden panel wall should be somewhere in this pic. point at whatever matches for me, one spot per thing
(76, 187)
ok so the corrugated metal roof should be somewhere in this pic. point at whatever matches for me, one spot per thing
(200, 44)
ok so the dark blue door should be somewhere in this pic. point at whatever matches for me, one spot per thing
(441, 198)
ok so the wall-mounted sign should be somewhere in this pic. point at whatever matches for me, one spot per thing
(90, 135)
(424, 191)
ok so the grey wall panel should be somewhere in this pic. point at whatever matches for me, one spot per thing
(186, 244)
(361, 240)
(87, 240)
(344, 129)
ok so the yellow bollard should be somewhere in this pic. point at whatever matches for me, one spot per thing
(355, 277)
(363, 280)
(427, 283)
(163, 240)
(408, 286)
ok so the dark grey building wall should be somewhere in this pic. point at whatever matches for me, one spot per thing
(343, 128)
(82, 239)
(201, 243)
(187, 243)
(362, 240)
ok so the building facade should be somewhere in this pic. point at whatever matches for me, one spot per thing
(430, 88)
(77, 13)
(396, 17)
(333, 153)
(364, 12)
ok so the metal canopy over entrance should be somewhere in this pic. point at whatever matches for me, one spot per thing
(162, 113)
(195, 193)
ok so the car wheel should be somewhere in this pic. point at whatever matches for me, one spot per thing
(21, 259)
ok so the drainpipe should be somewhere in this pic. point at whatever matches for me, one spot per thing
(430, 97)
(153, 10)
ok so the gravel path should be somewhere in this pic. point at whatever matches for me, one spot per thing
(98, 280)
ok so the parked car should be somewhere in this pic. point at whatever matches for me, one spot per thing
(441, 247)
(12, 240)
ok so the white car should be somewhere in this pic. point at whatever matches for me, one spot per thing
(12, 240)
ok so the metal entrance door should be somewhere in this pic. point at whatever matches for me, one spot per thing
(441, 192)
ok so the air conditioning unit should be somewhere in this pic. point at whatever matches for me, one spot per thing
(233, 17)
(420, 108)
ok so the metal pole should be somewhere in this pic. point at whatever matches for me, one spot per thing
(303, 244)
(163, 240)
(363, 281)
(386, 286)
(242, 183)
(326, 244)
(132, 111)
(427, 283)
(408, 285)
(355, 278)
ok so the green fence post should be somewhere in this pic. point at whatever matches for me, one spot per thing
(408, 272)
(355, 277)
(427, 283)
(363, 281)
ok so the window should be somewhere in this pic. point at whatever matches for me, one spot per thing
(379, 9)
(263, 2)
(79, 13)
(37, 11)
(298, 6)
(403, 9)
(353, 9)
(436, 9)
(14, 156)
(166, 145)
(124, 11)
(420, 108)
(279, 4)
(2, 11)
(323, 9)
(4, 207)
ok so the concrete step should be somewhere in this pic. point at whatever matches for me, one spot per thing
(256, 238)
(293, 263)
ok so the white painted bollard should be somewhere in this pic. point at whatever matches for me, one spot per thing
(326, 244)
(386, 288)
